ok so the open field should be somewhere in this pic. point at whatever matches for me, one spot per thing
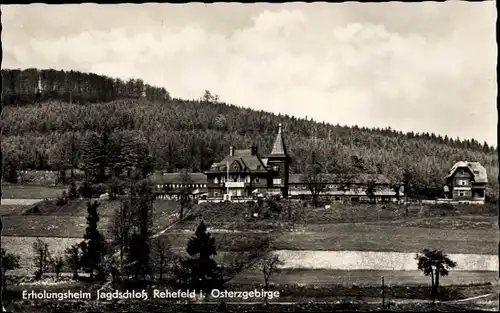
(12, 209)
(20, 202)
(235, 231)
(49, 226)
(70, 220)
(106, 208)
(18, 191)
(371, 260)
(325, 277)
(358, 237)
(238, 216)
(363, 212)
(448, 222)
(372, 237)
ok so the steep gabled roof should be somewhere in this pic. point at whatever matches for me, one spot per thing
(279, 148)
(476, 168)
(250, 162)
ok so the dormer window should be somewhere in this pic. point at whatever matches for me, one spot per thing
(476, 172)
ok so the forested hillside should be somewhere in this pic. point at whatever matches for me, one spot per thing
(44, 122)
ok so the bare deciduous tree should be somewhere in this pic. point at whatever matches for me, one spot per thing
(120, 227)
(58, 264)
(42, 259)
(268, 266)
(162, 255)
(73, 255)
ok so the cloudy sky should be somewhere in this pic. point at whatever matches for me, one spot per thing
(412, 66)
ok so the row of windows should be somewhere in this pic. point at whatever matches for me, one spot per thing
(238, 179)
(182, 185)
(328, 186)
(276, 181)
(276, 168)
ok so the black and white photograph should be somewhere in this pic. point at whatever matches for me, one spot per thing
(231, 157)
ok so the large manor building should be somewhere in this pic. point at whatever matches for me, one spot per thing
(244, 174)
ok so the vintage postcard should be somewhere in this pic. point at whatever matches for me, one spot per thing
(228, 157)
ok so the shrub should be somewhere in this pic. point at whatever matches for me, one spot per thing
(63, 199)
(274, 206)
(88, 191)
(72, 192)
(58, 265)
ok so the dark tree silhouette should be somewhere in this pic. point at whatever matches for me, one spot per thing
(94, 245)
(200, 272)
(10, 261)
(434, 263)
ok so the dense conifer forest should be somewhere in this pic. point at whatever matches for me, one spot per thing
(50, 119)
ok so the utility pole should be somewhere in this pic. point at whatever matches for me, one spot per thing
(227, 179)
(1, 269)
(383, 293)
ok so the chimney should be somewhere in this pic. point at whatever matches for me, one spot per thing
(254, 149)
(231, 150)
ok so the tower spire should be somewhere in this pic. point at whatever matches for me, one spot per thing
(279, 144)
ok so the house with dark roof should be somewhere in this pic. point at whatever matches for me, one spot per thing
(467, 181)
(244, 173)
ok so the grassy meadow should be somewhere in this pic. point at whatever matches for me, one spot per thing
(21, 191)
(343, 227)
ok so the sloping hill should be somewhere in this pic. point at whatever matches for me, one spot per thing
(194, 133)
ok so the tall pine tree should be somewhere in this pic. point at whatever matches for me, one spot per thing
(200, 272)
(94, 245)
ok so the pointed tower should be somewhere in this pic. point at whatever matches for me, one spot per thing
(279, 163)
